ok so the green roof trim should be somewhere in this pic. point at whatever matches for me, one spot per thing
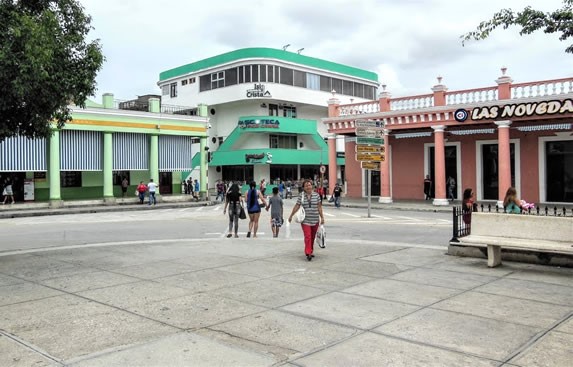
(268, 53)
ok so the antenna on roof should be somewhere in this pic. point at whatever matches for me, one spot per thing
(285, 46)
(299, 50)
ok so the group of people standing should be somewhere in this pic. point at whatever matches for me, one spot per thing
(254, 201)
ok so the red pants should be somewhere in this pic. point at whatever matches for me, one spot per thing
(309, 232)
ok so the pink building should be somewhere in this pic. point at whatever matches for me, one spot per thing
(487, 139)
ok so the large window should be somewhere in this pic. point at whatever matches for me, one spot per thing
(312, 81)
(299, 79)
(286, 76)
(173, 90)
(559, 178)
(231, 77)
(276, 74)
(289, 111)
(71, 179)
(218, 80)
(282, 141)
(237, 173)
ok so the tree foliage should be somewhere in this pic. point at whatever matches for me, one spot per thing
(530, 20)
(46, 63)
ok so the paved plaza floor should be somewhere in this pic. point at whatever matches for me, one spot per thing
(258, 302)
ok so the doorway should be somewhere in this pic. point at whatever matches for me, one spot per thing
(451, 164)
(165, 183)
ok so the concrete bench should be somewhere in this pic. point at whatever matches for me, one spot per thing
(542, 234)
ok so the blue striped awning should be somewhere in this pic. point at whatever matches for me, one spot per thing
(19, 154)
(81, 150)
(175, 153)
(130, 152)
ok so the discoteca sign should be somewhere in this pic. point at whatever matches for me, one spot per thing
(518, 110)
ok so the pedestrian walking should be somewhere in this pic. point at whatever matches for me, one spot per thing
(276, 205)
(312, 204)
(254, 208)
(124, 186)
(451, 182)
(428, 187)
(233, 203)
(8, 193)
(336, 194)
(152, 189)
(141, 190)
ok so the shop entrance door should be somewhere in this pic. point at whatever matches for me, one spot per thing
(451, 157)
(165, 183)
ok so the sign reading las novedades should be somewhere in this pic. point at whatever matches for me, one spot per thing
(522, 109)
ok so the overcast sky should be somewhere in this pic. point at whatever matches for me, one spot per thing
(408, 43)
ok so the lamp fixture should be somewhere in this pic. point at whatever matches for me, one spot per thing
(299, 50)
(285, 46)
(263, 105)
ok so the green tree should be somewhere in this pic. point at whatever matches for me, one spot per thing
(46, 63)
(530, 20)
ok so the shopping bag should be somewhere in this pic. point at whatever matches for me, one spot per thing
(300, 215)
(242, 214)
(320, 239)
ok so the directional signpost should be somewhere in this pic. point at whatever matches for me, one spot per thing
(369, 148)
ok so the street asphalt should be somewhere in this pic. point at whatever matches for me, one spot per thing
(259, 302)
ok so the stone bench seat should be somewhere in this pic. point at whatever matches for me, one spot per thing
(519, 232)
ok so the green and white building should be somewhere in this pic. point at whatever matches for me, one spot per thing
(265, 108)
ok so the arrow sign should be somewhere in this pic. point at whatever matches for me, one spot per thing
(371, 124)
(370, 157)
(372, 141)
(368, 149)
(375, 166)
(369, 132)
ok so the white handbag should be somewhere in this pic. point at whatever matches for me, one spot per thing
(300, 214)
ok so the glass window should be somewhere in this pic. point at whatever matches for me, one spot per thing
(325, 84)
(289, 111)
(173, 90)
(299, 79)
(312, 81)
(255, 73)
(231, 76)
(218, 80)
(359, 90)
(369, 92)
(282, 141)
(559, 165)
(347, 88)
(286, 76)
(184, 82)
(273, 109)
(241, 74)
(263, 71)
(271, 73)
(71, 178)
(337, 85)
(247, 73)
(165, 90)
(204, 83)
(277, 72)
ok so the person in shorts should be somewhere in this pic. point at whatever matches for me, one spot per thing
(276, 206)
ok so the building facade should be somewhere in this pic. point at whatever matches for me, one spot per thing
(265, 103)
(487, 139)
(91, 155)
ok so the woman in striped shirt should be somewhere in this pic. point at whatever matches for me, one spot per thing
(312, 205)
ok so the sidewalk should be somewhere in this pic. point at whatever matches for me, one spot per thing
(258, 302)
(30, 209)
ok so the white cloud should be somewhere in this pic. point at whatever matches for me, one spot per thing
(408, 43)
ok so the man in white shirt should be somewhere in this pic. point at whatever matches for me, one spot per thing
(152, 188)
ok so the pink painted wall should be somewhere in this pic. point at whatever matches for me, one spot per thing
(529, 164)
(408, 168)
(353, 172)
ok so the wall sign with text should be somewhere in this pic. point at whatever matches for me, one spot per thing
(516, 110)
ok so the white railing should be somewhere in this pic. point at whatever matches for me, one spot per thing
(544, 88)
(359, 108)
(412, 103)
(471, 96)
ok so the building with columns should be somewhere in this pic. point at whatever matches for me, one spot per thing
(487, 139)
(265, 107)
(104, 143)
